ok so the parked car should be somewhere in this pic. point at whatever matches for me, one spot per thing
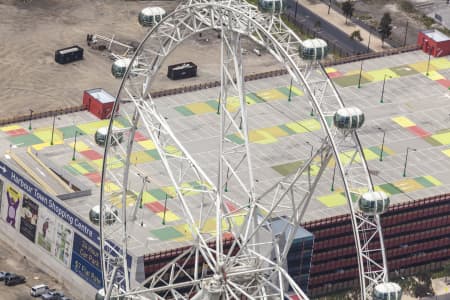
(53, 295)
(14, 279)
(3, 275)
(39, 290)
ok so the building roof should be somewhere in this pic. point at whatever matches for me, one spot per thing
(436, 35)
(101, 95)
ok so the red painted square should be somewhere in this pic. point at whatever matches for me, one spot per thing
(138, 137)
(91, 154)
(335, 74)
(155, 207)
(94, 177)
(418, 131)
(231, 207)
(16, 132)
(444, 82)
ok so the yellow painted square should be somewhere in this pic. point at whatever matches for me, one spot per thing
(403, 121)
(267, 138)
(139, 157)
(370, 155)
(433, 75)
(275, 131)
(172, 150)
(147, 144)
(298, 128)
(440, 63)
(209, 226)
(79, 168)
(271, 95)
(113, 163)
(446, 152)
(333, 200)
(310, 124)
(10, 127)
(170, 191)
(170, 216)
(148, 198)
(378, 75)
(199, 108)
(408, 185)
(352, 72)
(347, 156)
(433, 180)
(187, 190)
(255, 136)
(330, 70)
(81, 146)
(111, 187)
(43, 133)
(443, 138)
(297, 91)
(388, 150)
(40, 146)
(421, 67)
(184, 229)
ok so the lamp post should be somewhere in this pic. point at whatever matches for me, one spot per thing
(329, 7)
(382, 90)
(406, 159)
(290, 91)
(312, 148)
(428, 64)
(360, 74)
(406, 33)
(382, 143)
(332, 180)
(75, 144)
(31, 117)
(368, 43)
(53, 129)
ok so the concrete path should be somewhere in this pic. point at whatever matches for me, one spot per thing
(338, 20)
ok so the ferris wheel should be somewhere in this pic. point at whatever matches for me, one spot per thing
(242, 257)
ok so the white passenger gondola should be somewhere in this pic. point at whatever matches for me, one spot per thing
(387, 291)
(270, 6)
(348, 118)
(150, 16)
(102, 132)
(373, 203)
(110, 215)
(313, 49)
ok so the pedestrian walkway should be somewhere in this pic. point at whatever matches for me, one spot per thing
(338, 20)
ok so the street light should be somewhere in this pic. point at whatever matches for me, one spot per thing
(31, 116)
(360, 74)
(382, 90)
(290, 91)
(75, 144)
(382, 143)
(53, 129)
(428, 64)
(334, 174)
(312, 148)
(406, 159)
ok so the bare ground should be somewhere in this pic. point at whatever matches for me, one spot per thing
(31, 31)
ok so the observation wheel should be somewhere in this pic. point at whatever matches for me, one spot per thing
(235, 250)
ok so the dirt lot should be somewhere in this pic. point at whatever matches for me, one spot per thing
(31, 31)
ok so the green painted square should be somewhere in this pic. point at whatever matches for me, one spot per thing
(214, 104)
(69, 131)
(329, 120)
(72, 171)
(166, 233)
(354, 196)
(287, 129)
(255, 98)
(404, 70)
(124, 121)
(423, 181)
(25, 140)
(349, 80)
(153, 153)
(289, 168)
(184, 111)
(285, 90)
(85, 165)
(234, 138)
(432, 141)
(390, 188)
(158, 194)
(196, 185)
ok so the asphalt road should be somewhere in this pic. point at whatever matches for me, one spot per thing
(307, 20)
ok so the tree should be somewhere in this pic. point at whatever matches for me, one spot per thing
(356, 35)
(385, 28)
(347, 9)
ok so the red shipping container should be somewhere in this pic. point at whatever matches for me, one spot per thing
(99, 102)
(434, 42)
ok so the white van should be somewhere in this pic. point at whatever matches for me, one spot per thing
(39, 290)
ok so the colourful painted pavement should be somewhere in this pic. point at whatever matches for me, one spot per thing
(406, 185)
(351, 78)
(203, 107)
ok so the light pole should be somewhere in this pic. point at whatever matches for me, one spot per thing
(406, 159)
(406, 33)
(53, 129)
(382, 90)
(290, 91)
(332, 180)
(428, 64)
(360, 74)
(75, 144)
(312, 148)
(368, 43)
(382, 143)
(329, 7)
(31, 117)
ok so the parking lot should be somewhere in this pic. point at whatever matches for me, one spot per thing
(11, 261)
